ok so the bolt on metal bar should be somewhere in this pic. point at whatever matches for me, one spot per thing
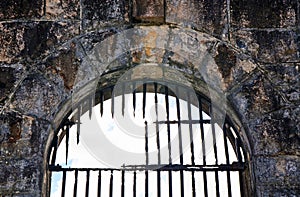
(75, 184)
(203, 145)
(180, 143)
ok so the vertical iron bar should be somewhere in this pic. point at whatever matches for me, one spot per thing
(112, 102)
(225, 129)
(67, 142)
(63, 184)
(134, 97)
(54, 144)
(90, 107)
(111, 183)
(144, 98)
(75, 184)
(99, 184)
(123, 182)
(87, 183)
(134, 184)
(169, 137)
(123, 98)
(146, 143)
(147, 158)
(215, 149)
(180, 143)
(191, 141)
(240, 159)
(203, 146)
(101, 103)
(78, 122)
(157, 139)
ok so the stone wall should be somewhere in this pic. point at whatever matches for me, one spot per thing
(255, 47)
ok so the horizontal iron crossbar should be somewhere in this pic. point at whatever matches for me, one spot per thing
(174, 167)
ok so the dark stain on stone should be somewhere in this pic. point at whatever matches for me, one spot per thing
(66, 65)
(262, 14)
(36, 38)
(15, 125)
(7, 81)
(225, 60)
(148, 11)
(14, 9)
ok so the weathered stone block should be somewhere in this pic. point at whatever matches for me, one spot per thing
(33, 39)
(255, 97)
(36, 96)
(16, 9)
(22, 141)
(208, 15)
(232, 64)
(65, 9)
(285, 78)
(277, 171)
(148, 10)
(100, 13)
(277, 132)
(277, 191)
(268, 46)
(263, 14)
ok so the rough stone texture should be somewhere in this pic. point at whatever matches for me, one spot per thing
(64, 9)
(26, 9)
(250, 49)
(22, 140)
(283, 48)
(148, 11)
(263, 14)
(25, 41)
(208, 15)
(40, 95)
(103, 13)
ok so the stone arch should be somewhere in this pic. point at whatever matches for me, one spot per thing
(209, 65)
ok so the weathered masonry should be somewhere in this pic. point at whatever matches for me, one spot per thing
(57, 56)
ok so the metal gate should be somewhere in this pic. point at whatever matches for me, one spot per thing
(199, 169)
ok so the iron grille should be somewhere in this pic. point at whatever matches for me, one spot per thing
(169, 177)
